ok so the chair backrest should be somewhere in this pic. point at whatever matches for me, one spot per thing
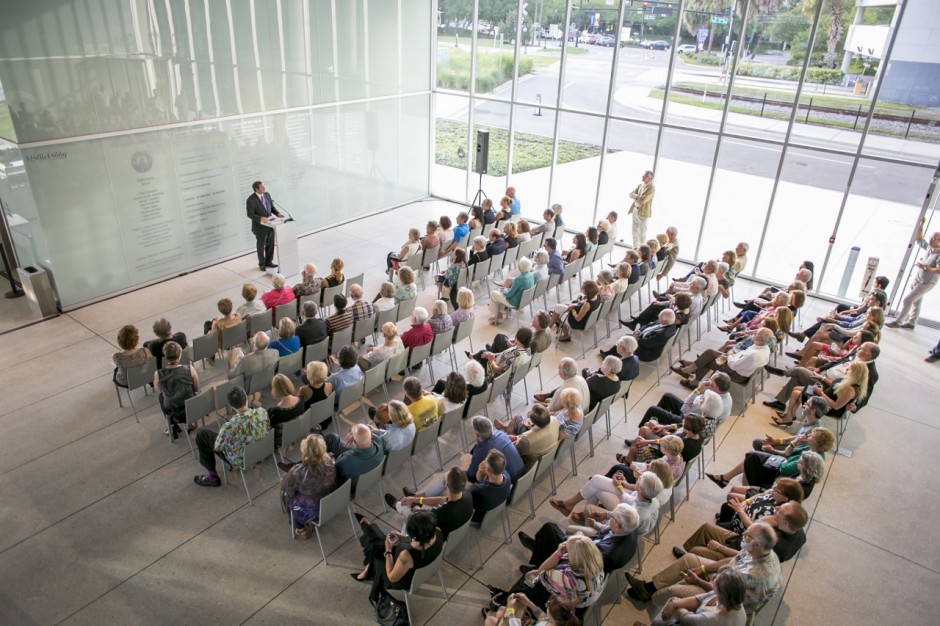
(319, 411)
(374, 376)
(424, 437)
(553, 281)
(450, 420)
(474, 233)
(370, 478)
(419, 354)
(527, 296)
(423, 574)
(545, 462)
(295, 430)
(522, 485)
(462, 331)
(317, 351)
(257, 451)
(541, 286)
(587, 423)
(496, 261)
(220, 391)
(456, 537)
(140, 375)
(364, 327)
(511, 255)
(406, 308)
(624, 388)
(341, 339)
(327, 293)
(261, 380)
(431, 255)
(396, 364)
(571, 269)
(528, 247)
(476, 403)
(558, 233)
(259, 322)
(604, 405)
(499, 384)
(482, 269)
(206, 345)
(234, 335)
(442, 341)
(355, 280)
(199, 406)
(395, 459)
(492, 514)
(314, 297)
(463, 277)
(335, 502)
(389, 315)
(288, 310)
(351, 394)
(291, 364)
(414, 262)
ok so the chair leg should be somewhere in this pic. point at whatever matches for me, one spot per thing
(134, 408)
(574, 461)
(531, 503)
(408, 607)
(245, 482)
(440, 461)
(440, 577)
(319, 541)
(117, 390)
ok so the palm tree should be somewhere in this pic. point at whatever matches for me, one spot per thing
(836, 11)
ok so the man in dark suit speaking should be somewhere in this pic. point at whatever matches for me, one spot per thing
(260, 208)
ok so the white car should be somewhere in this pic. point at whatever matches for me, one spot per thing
(686, 48)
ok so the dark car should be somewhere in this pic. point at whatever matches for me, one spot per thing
(659, 44)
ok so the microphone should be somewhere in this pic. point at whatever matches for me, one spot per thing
(290, 218)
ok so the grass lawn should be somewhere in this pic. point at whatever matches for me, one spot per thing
(530, 151)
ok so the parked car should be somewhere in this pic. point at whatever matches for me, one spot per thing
(659, 44)
(605, 40)
(686, 49)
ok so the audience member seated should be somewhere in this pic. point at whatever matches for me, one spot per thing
(391, 560)
(739, 366)
(342, 318)
(309, 284)
(306, 483)
(335, 277)
(451, 511)
(259, 359)
(386, 299)
(448, 280)
(570, 379)
(349, 373)
(502, 299)
(356, 454)
(420, 332)
(289, 406)
(478, 252)
(510, 235)
(399, 431)
(750, 320)
(872, 320)
(279, 295)
(720, 604)
(523, 231)
(465, 307)
(312, 329)
(454, 394)
(609, 492)
(421, 404)
(489, 215)
(570, 415)
(461, 233)
(585, 512)
(761, 468)
(488, 439)
(519, 607)
(533, 434)
(287, 341)
(704, 401)
(691, 574)
(316, 387)
(671, 252)
(431, 238)
(810, 469)
(629, 362)
(228, 319)
(803, 275)
(514, 355)
(505, 211)
(843, 313)
(406, 289)
(685, 305)
(250, 306)
(578, 249)
(361, 309)
(652, 442)
(605, 382)
(495, 244)
(738, 513)
(477, 384)
(130, 355)
(839, 394)
(175, 384)
(575, 315)
(548, 226)
(440, 320)
(384, 351)
(541, 337)
(446, 234)
(817, 353)
(652, 338)
(163, 332)
(556, 263)
(246, 426)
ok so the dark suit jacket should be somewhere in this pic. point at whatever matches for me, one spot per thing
(651, 345)
(872, 379)
(616, 550)
(255, 211)
(311, 331)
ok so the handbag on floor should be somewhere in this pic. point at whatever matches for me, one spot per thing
(388, 611)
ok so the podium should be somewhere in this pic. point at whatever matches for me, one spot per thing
(285, 242)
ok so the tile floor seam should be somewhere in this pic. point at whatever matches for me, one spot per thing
(877, 547)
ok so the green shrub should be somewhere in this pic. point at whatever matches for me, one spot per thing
(815, 75)
(703, 58)
(492, 70)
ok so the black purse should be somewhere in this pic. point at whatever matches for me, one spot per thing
(388, 611)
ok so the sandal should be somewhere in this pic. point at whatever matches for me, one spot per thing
(622, 459)
(780, 424)
(559, 505)
(719, 480)
(302, 533)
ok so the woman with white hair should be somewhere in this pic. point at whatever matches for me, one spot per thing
(605, 382)
(478, 251)
(440, 320)
(609, 492)
(279, 295)
(501, 299)
(394, 260)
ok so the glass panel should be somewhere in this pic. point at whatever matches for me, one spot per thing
(495, 51)
(454, 38)
(803, 213)
(740, 196)
(350, 44)
(931, 303)
(20, 208)
(449, 172)
(630, 150)
(382, 45)
(587, 65)
(881, 213)
(492, 117)
(574, 184)
(681, 184)
(532, 159)
(416, 50)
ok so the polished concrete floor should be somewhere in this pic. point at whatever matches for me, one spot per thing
(103, 524)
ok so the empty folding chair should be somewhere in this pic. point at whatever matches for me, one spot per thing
(330, 506)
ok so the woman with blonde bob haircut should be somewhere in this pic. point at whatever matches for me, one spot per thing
(400, 431)
(578, 585)
(391, 346)
(306, 483)
(316, 388)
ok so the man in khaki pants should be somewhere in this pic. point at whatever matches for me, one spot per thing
(642, 208)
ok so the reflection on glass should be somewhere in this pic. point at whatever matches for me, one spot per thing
(878, 219)
(681, 185)
(630, 150)
(449, 172)
(574, 184)
(803, 213)
(532, 158)
(494, 118)
(495, 51)
(587, 65)
(740, 196)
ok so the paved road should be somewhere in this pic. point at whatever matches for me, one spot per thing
(587, 80)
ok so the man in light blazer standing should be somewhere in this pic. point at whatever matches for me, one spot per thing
(260, 207)
(642, 208)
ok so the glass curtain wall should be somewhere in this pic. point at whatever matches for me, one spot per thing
(809, 130)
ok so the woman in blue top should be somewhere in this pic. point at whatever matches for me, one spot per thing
(287, 342)
(501, 299)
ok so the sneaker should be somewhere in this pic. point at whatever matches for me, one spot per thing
(207, 481)
(908, 326)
